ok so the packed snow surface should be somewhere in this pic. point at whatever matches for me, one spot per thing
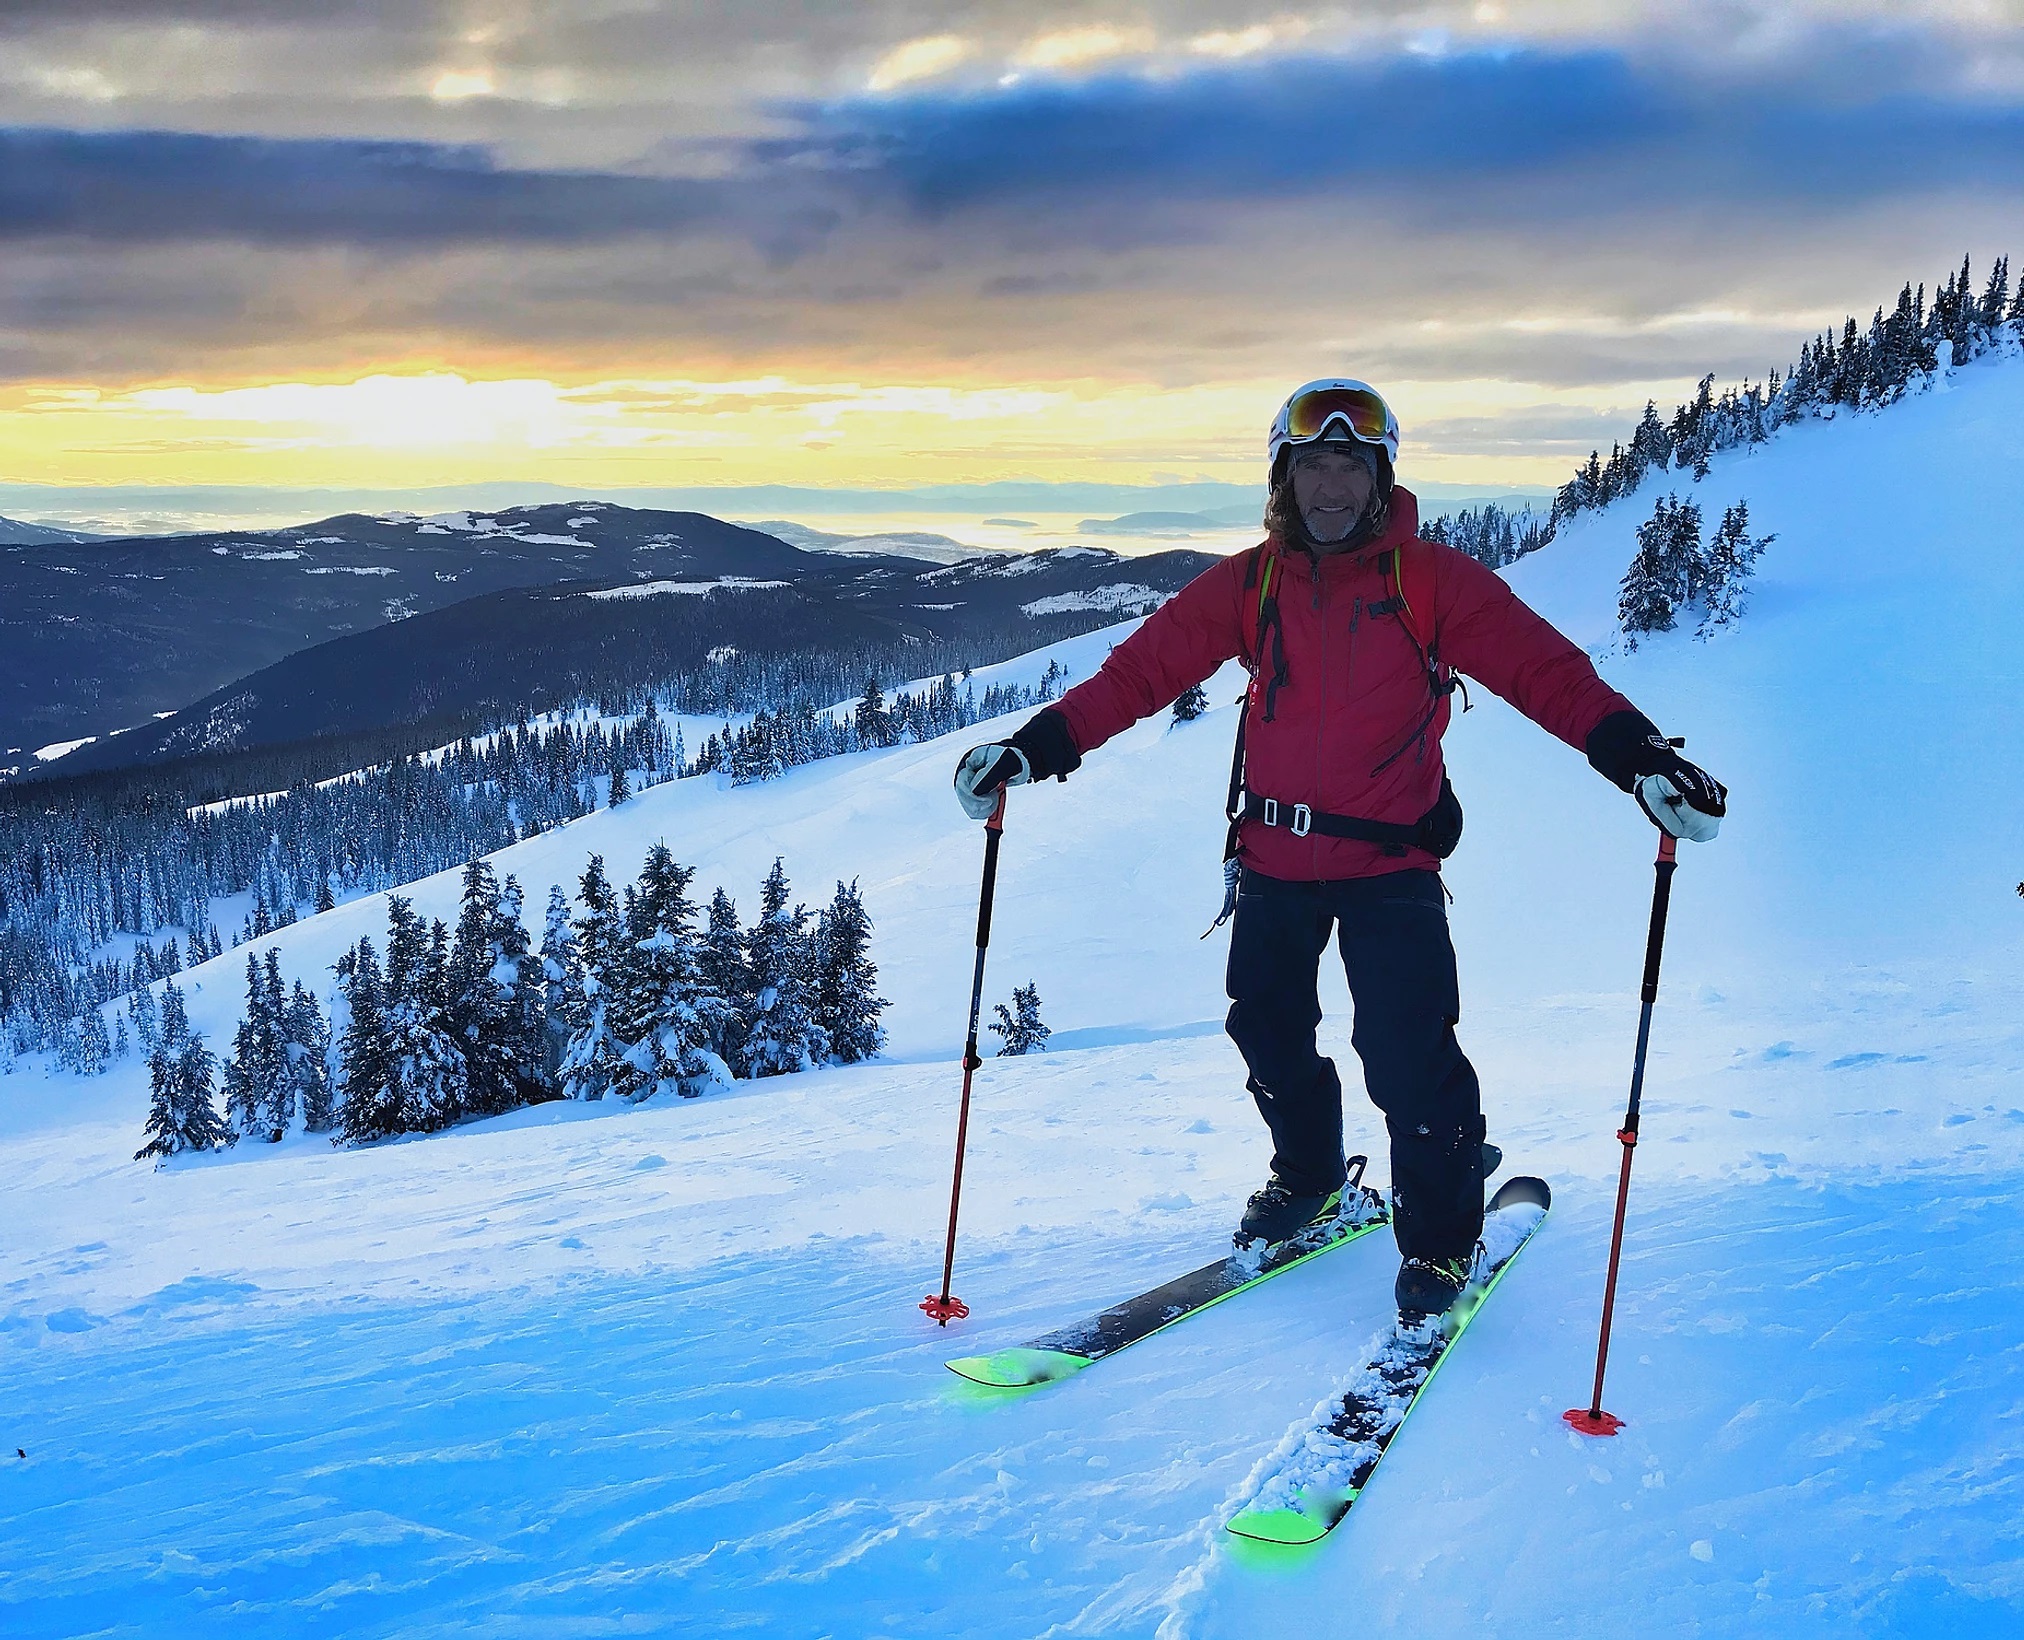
(586, 1369)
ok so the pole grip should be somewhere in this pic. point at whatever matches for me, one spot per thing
(1662, 894)
(993, 835)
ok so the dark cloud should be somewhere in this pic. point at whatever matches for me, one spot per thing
(1112, 161)
(1587, 134)
(160, 185)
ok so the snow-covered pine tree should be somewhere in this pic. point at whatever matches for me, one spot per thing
(1731, 559)
(479, 1001)
(308, 1046)
(278, 1104)
(242, 1100)
(1687, 556)
(1667, 571)
(181, 1115)
(1023, 1031)
(373, 1104)
(175, 1020)
(847, 1003)
(563, 1004)
(257, 1084)
(94, 1046)
(1644, 601)
(431, 1067)
(147, 1024)
(325, 900)
(724, 973)
(621, 785)
(871, 720)
(781, 1032)
(526, 983)
(591, 1060)
(660, 1010)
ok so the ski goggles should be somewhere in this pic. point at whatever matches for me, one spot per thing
(1368, 416)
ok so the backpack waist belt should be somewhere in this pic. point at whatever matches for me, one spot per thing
(1437, 831)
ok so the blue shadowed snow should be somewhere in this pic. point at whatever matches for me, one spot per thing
(1824, 1392)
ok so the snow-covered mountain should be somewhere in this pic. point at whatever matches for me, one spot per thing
(133, 651)
(662, 1368)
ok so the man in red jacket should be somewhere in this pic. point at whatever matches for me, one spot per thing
(1349, 624)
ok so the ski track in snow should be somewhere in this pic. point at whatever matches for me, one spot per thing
(587, 1369)
(1312, 1457)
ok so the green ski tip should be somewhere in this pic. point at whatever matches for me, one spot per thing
(1017, 1368)
(1283, 1525)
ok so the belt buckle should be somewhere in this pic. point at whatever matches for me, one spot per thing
(1303, 819)
(1270, 814)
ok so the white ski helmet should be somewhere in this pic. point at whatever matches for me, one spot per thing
(1315, 412)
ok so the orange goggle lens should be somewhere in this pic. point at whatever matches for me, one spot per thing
(1311, 412)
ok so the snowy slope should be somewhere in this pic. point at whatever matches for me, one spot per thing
(584, 1368)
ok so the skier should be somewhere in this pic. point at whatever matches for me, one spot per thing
(1341, 811)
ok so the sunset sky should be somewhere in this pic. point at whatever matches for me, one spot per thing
(611, 243)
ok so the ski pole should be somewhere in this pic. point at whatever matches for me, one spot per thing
(1591, 1419)
(944, 1305)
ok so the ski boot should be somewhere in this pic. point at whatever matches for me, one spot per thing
(1430, 1286)
(1278, 1213)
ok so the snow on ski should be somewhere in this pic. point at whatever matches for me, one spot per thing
(1320, 1470)
(1068, 1350)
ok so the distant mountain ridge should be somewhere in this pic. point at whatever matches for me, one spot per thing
(15, 533)
(99, 636)
(597, 599)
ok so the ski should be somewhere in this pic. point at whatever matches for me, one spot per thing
(1327, 1466)
(1062, 1353)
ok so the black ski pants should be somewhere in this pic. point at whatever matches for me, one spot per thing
(1392, 932)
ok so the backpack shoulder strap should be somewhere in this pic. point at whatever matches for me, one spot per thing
(1414, 576)
(1261, 576)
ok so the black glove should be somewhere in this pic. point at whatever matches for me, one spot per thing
(1627, 749)
(1041, 747)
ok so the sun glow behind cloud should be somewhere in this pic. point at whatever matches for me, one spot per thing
(918, 60)
(441, 427)
(456, 84)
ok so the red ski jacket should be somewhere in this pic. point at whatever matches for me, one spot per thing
(1356, 726)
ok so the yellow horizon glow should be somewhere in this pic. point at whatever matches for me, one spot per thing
(424, 427)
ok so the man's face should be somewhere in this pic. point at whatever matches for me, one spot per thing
(1331, 488)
